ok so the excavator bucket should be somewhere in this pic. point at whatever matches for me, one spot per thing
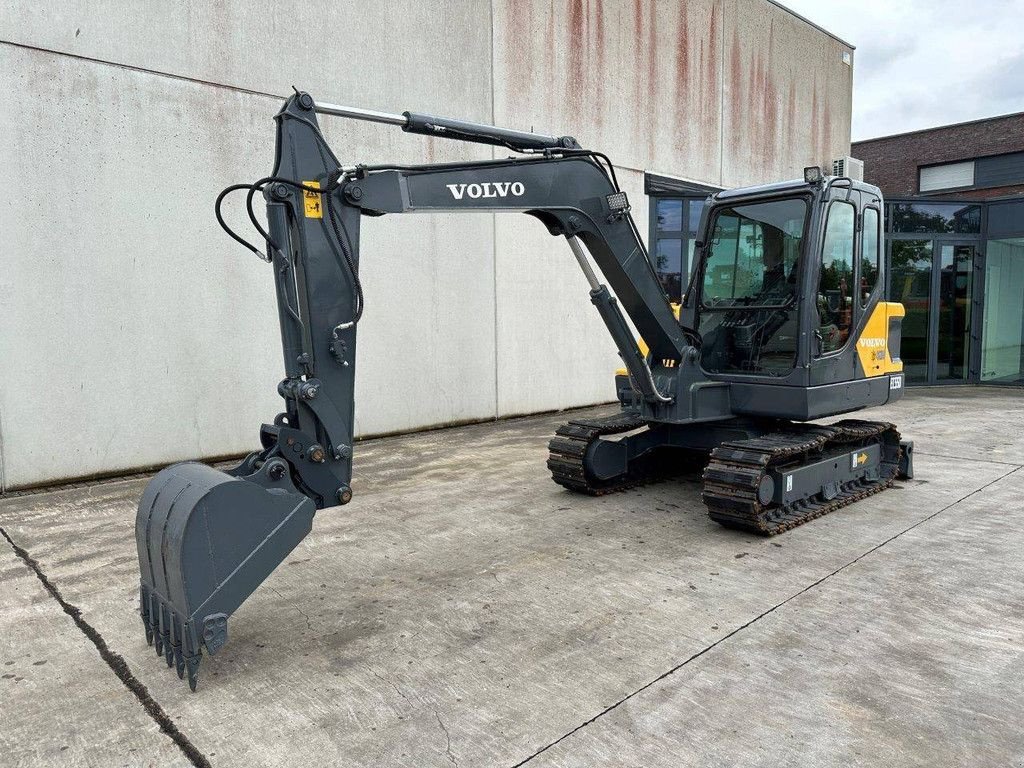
(206, 540)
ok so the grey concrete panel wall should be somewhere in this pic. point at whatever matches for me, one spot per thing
(641, 81)
(786, 95)
(135, 332)
(390, 55)
(553, 349)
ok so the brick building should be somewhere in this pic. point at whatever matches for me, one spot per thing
(955, 246)
(980, 159)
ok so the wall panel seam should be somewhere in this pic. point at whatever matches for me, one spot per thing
(3, 473)
(134, 68)
(721, 103)
(494, 230)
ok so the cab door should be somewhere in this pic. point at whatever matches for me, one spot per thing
(847, 288)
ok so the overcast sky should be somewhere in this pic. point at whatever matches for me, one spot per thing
(922, 63)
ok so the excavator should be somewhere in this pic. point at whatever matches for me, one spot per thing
(782, 323)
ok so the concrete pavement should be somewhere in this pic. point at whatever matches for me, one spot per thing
(466, 611)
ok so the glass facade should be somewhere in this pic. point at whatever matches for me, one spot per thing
(962, 289)
(1002, 338)
(919, 217)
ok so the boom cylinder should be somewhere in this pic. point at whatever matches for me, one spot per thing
(450, 128)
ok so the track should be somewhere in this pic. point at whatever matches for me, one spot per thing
(568, 452)
(734, 473)
(735, 469)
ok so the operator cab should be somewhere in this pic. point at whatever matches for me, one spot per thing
(787, 290)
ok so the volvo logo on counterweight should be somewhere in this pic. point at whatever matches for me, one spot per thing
(487, 189)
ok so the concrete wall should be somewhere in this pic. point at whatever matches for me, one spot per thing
(135, 333)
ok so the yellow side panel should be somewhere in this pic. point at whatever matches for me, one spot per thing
(643, 346)
(873, 344)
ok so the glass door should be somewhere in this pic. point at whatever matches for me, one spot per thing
(933, 280)
(956, 269)
(910, 283)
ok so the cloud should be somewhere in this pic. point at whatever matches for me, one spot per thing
(923, 63)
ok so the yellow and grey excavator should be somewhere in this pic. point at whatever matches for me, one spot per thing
(782, 323)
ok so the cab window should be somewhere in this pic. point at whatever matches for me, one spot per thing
(835, 285)
(869, 256)
(753, 255)
(747, 310)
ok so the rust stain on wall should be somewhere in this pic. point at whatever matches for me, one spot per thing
(711, 115)
(683, 114)
(578, 35)
(599, 63)
(791, 123)
(737, 94)
(815, 132)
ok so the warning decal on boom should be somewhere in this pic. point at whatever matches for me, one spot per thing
(314, 203)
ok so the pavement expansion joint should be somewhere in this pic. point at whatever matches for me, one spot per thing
(757, 618)
(968, 458)
(114, 660)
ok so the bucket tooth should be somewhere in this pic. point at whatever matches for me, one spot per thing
(192, 665)
(206, 540)
(144, 613)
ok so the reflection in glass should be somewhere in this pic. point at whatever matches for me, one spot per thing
(748, 296)
(835, 302)
(753, 254)
(956, 269)
(668, 265)
(1002, 340)
(958, 218)
(670, 215)
(696, 208)
(869, 255)
(911, 277)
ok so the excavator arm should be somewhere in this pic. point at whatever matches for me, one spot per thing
(207, 539)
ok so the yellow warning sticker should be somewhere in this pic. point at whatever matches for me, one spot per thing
(314, 202)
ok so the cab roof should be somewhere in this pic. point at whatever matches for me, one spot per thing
(786, 186)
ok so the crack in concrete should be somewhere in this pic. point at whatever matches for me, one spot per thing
(448, 739)
(754, 620)
(389, 682)
(302, 613)
(115, 661)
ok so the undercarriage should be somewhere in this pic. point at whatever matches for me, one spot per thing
(780, 475)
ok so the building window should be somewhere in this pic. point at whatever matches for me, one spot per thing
(949, 176)
(675, 229)
(957, 218)
(668, 265)
(835, 306)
